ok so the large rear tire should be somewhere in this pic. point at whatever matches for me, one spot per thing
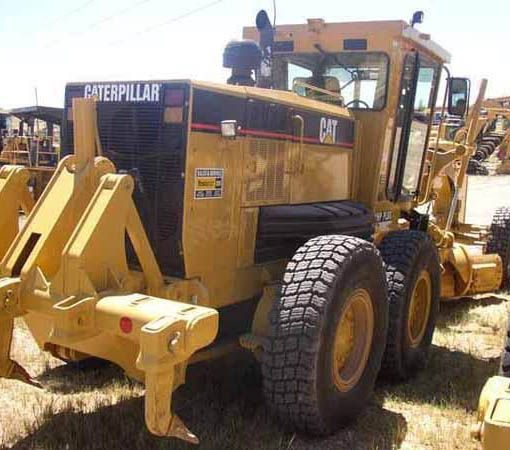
(499, 240)
(327, 334)
(414, 280)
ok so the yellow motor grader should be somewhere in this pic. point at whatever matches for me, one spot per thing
(302, 215)
(494, 137)
(493, 423)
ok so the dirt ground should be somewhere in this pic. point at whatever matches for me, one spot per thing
(99, 408)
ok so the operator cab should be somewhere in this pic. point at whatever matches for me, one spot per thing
(387, 73)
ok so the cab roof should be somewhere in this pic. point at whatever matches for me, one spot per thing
(346, 36)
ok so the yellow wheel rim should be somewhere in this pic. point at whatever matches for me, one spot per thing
(353, 340)
(419, 309)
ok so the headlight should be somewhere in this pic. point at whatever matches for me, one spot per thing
(229, 129)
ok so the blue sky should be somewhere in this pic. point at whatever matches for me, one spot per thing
(41, 46)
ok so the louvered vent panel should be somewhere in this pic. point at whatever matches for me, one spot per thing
(265, 180)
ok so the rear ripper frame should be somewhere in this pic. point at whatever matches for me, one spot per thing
(88, 300)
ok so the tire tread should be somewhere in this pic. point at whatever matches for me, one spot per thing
(499, 240)
(296, 325)
(400, 251)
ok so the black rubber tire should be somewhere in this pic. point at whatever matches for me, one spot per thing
(476, 168)
(504, 366)
(493, 142)
(297, 361)
(496, 140)
(489, 144)
(486, 147)
(406, 254)
(481, 155)
(499, 240)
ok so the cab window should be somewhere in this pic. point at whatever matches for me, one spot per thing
(414, 116)
(422, 116)
(360, 78)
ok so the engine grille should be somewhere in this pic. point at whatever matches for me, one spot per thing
(265, 174)
(136, 138)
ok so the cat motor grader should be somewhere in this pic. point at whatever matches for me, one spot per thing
(494, 137)
(302, 215)
(493, 423)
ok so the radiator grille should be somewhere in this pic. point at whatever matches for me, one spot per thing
(135, 137)
(265, 180)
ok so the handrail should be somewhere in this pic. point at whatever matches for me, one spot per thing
(315, 88)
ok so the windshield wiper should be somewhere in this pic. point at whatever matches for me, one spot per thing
(354, 74)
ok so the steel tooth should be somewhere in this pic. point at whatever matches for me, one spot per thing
(9, 368)
(20, 374)
(181, 431)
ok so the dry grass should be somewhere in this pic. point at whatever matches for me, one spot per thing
(99, 408)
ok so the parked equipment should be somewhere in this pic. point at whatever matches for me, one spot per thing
(493, 427)
(494, 137)
(190, 218)
(34, 143)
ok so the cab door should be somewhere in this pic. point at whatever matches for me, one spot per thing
(418, 92)
(320, 162)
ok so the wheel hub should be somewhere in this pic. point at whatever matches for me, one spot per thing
(353, 340)
(419, 309)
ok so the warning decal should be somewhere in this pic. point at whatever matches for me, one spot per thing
(208, 183)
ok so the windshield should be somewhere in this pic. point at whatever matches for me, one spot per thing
(359, 78)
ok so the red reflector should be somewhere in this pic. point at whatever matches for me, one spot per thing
(126, 325)
(174, 97)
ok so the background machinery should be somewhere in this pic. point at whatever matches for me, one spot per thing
(493, 427)
(33, 141)
(302, 214)
(493, 139)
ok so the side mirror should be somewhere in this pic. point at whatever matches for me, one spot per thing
(458, 96)
(417, 18)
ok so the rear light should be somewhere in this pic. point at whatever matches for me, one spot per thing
(174, 105)
(126, 325)
(174, 114)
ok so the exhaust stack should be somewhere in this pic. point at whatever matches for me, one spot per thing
(266, 31)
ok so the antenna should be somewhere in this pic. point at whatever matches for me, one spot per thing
(36, 121)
